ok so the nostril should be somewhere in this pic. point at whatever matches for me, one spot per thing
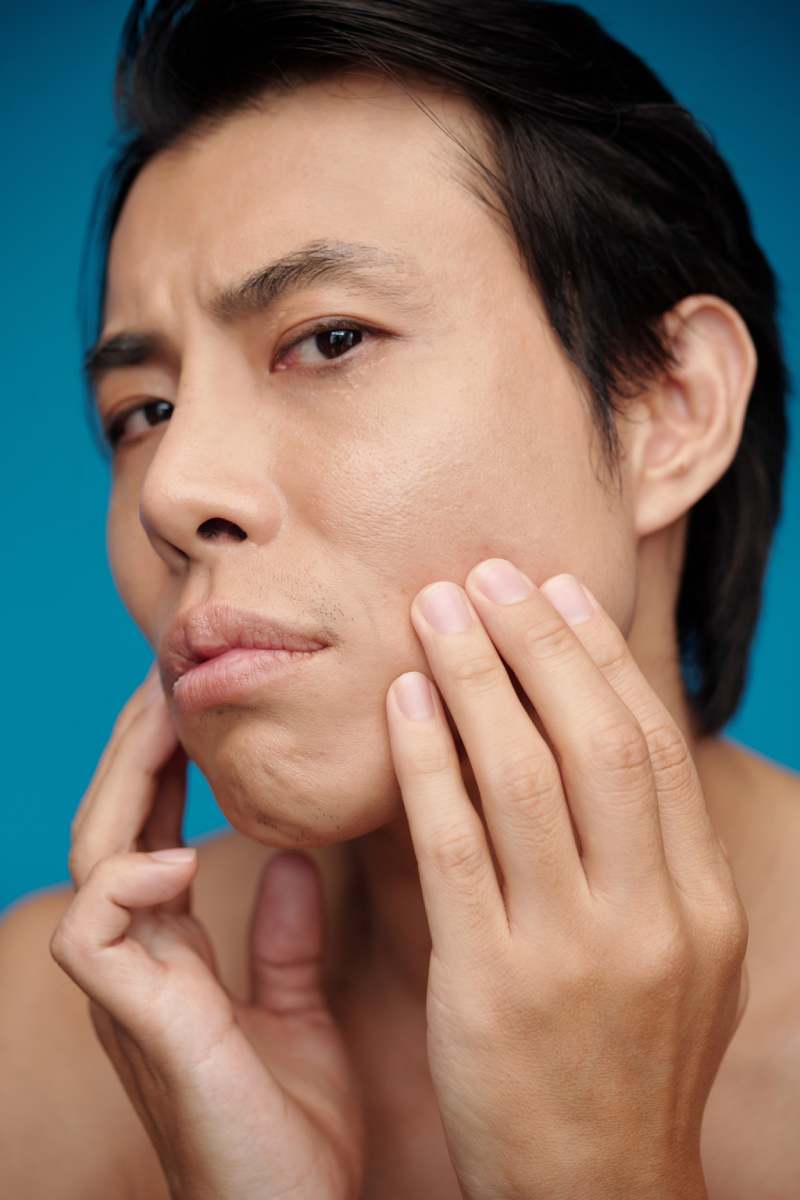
(214, 526)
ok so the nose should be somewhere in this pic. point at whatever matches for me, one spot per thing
(210, 484)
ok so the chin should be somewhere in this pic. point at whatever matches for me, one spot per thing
(285, 790)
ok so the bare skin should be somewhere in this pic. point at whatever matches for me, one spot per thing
(64, 1083)
(414, 492)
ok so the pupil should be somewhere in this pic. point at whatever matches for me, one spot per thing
(154, 409)
(339, 340)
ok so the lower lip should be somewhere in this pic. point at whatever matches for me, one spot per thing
(220, 680)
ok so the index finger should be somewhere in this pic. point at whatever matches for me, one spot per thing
(147, 689)
(119, 802)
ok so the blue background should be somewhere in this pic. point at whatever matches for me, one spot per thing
(71, 654)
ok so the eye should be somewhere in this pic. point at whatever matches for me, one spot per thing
(152, 411)
(328, 340)
(331, 339)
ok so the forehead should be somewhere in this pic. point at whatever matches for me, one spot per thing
(353, 158)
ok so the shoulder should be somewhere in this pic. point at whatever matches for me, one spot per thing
(753, 1113)
(754, 803)
(759, 802)
(56, 1082)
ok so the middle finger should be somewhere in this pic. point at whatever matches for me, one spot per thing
(528, 814)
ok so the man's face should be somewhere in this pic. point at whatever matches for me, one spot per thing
(451, 430)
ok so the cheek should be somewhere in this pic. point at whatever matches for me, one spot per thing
(515, 477)
(474, 475)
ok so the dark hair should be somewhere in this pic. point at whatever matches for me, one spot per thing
(618, 200)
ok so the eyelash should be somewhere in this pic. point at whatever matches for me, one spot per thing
(113, 431)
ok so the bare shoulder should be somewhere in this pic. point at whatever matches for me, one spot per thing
(750, 1147)
(69, 1130)
(755, 806)
(762, 801)
(769, 819)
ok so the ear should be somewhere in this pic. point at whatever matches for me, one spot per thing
(682, 433)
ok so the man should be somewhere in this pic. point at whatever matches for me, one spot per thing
(587, 379)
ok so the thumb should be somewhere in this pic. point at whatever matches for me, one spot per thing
(287, 933)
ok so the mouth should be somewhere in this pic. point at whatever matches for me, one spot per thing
(230, 676)
(214, 653)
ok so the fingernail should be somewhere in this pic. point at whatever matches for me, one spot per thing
(178, 855)
(500, 581)
(412, 692)
(568, 597)
(444, 607)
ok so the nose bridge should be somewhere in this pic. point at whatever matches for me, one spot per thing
(210, 483)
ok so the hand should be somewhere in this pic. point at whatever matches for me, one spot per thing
(239, 1100)
(588, 939)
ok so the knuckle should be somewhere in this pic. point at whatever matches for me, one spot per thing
(548, 638)
(525, 779)
(76, 863)
(664, 958)
(478, 673)
(457, 854)
(618, 747)
(78, 823)
(81, 861)
(90, 864)
(727, 929)
(88, 861)
(739, 930)
(291, 989)
(432, 761)
(613, 654)
(670, 758)
(65, 941)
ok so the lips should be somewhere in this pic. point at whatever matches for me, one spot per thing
(213, 629)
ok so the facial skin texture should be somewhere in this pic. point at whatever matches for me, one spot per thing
(344, 486)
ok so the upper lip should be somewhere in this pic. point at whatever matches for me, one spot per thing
(211, 629)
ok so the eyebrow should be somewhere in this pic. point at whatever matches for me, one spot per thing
(387, 275)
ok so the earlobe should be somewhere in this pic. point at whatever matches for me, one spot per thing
(693, 415)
